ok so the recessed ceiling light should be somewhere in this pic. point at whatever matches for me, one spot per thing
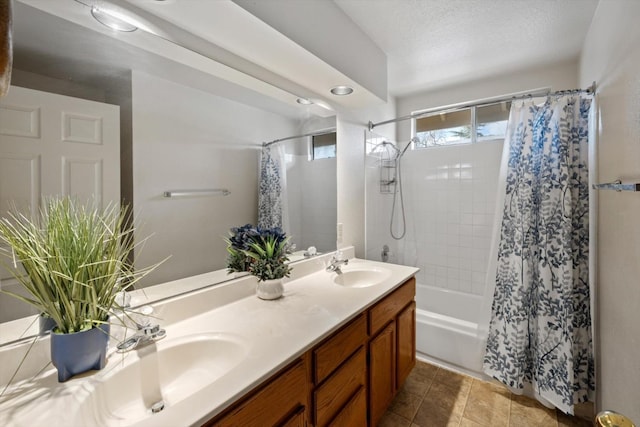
(342, 90)
(109, 20)
(304, 101)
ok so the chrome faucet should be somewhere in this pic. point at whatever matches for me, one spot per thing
(146, 332)
(336, 263)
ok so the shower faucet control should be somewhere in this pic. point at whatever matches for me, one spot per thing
(385, 253)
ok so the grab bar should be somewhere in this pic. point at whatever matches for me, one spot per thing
(618, 186)
(187, 193)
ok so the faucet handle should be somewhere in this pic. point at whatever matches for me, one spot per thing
(141, 316)
(123, 300)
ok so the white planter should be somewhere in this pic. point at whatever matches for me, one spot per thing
(270, 289)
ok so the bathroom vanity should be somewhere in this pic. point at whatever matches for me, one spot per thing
(360, 366)
(333, 351)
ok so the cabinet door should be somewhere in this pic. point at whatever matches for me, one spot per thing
(382, 371)
(406, 330)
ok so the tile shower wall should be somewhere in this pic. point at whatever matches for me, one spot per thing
(450, 196)
(377, 208)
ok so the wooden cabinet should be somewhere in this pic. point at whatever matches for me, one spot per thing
(340, 375)
(382, 372)
(391, 347)
(336, 349)
(406, 338)
(349, 379)
(355, 411)
(281, 402)
(298, 419)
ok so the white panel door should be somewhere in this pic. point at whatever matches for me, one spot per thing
(55, 145)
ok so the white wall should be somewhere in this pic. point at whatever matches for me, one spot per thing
(351, 128)
(611, 57)
(311, 188)
(558, 77)
(184, 138)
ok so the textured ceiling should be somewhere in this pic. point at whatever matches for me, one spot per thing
(435, 43)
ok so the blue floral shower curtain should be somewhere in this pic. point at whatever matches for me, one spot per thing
(540, 330)
(272, 199)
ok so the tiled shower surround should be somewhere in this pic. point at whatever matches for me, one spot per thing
(450, 200)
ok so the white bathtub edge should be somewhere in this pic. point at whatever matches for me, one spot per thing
(449, 342)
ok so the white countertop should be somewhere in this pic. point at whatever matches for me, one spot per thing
(273, 332)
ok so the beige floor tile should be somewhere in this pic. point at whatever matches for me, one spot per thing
(465, 422)
(527, 412)
(488, 405)
(417, 384)
(453, 380)
(389, 419)
(490, 387)
(585, 410)
(450, 399)
(405, 404)
(425, 369)
(565, 420)
(442, 406)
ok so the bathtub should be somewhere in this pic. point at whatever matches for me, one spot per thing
(447, 331)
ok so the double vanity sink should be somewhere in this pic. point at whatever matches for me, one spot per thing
(221, 342)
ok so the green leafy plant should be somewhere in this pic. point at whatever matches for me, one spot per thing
(75, 260)
(238, 242)
(269, 255)
(237, 261)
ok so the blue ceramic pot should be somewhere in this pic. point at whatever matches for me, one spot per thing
(79, 352)
(46, 324)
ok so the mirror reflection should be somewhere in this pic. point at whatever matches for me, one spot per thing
(129, 125)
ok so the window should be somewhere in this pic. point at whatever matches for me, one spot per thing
(323, 146)
(491, 121)
(482, 123)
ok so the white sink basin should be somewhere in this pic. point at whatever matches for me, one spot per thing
(167, 373)
(360, 276)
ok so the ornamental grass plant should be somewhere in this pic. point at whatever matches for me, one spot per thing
(74, 260)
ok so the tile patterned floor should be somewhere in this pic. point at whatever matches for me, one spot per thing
(436, 397)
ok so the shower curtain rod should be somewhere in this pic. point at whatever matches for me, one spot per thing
(533, 94)
(316, 133)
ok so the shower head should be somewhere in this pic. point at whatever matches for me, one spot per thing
(384, 148)
(406, 147)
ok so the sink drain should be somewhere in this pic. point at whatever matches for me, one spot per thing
(157, 407)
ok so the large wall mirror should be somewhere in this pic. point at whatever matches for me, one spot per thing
(178, 128)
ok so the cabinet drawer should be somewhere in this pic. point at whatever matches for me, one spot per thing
(387, 309)
(333, 352)
(296, 420)
(355, 413)
(282, 398)
(335, 393)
